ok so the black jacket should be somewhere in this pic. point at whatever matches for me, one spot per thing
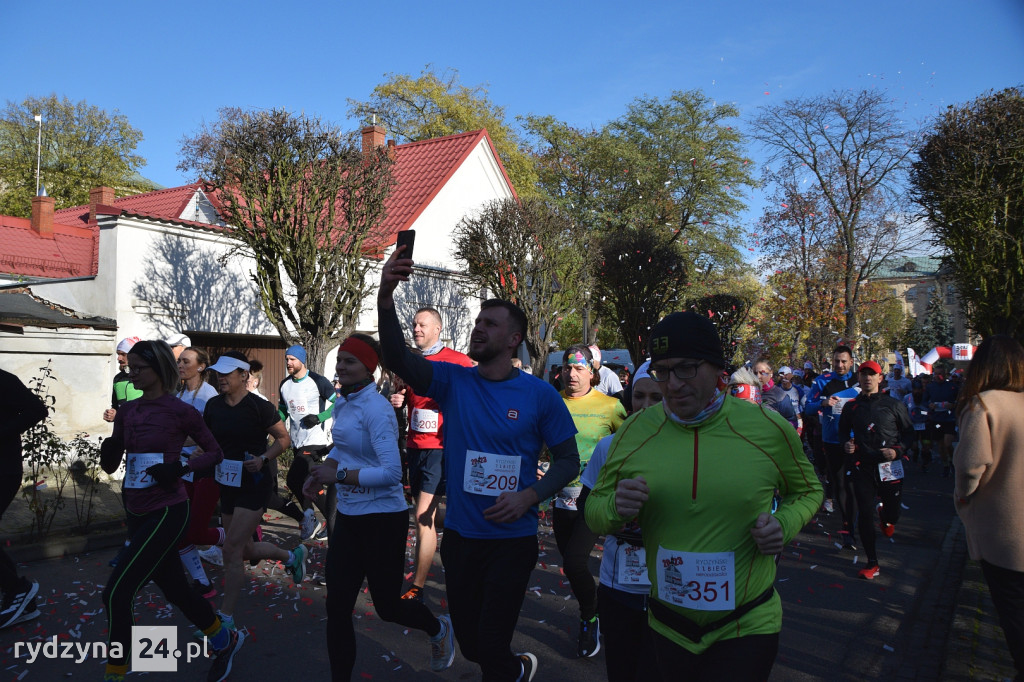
(877, 421)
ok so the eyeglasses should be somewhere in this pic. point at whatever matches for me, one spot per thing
(684, 370)
(764, 371)
(135, 369)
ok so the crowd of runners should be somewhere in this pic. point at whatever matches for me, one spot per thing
(696, 474)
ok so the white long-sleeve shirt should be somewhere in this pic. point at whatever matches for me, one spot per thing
(366, 438)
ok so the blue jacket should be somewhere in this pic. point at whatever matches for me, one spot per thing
(825, 386)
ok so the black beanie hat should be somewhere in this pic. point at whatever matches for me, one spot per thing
(686, 335)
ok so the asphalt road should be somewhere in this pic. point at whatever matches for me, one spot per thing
(835, 626)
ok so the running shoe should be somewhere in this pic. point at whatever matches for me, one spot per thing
(322, 535)
(30, 612)
(222, 659)
(310, 526)
(888, 529)
(869, 573)
(442, 649)
(298, 566)
(589, 642)
(225, 621)
(415, 593)
(828, 506)
(15, 603)
(207, 592)
(213, 555)
(529, 663)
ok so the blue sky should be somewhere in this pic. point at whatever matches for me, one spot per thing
(168, 67)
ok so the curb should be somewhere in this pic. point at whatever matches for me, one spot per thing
(60, 546)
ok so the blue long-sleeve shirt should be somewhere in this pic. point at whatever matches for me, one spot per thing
(825, 386)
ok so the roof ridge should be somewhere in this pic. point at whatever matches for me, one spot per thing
(446, 138)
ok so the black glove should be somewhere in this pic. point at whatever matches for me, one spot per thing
(310, 420)
(167, 473)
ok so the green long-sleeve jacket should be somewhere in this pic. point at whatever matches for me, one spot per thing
(708, 484)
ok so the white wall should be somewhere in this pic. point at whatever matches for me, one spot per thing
(83, 364)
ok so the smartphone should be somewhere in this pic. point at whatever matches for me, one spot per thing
(406, 238)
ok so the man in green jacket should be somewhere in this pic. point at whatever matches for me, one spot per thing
(719, 486)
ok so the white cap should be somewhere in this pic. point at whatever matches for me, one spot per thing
(595, 352)
(127, 343)
(178, 340)
(226, 364)
(785, 370)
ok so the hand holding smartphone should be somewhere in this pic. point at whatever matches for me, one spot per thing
(406, 238)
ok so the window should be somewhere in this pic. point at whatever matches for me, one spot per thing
(950, 294)
(912, 294)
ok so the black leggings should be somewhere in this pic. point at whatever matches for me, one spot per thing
(842, 488)
(1007, 589)
(575, 540)
(486, 581)
(867, 486)
(744, 659)
(370, 547)
(151, 554)
(302, 461)
(10, 482)
(628, 645)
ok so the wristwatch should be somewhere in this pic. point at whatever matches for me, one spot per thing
(342, 475)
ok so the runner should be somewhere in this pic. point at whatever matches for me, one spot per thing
(241, 423)
(369, 538)
(596, 415)
(123, 390)
(22, 409)
(498, 419)
(425, 446)
(785, 398)
(700, 474)
(940, 397)
(624, 589)
(874, 458)
(899, 385)
(608, 382)
(153, 429)
(306, 400)
(832, 390)
(202, 488)
(178, 344)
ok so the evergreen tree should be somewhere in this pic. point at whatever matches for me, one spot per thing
(936, 329)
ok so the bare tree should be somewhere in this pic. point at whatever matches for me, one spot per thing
(528, 253)
(853, 149)
(307, 205)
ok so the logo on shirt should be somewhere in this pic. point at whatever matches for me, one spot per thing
(513, 414)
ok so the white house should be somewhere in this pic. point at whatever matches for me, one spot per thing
(164, 262)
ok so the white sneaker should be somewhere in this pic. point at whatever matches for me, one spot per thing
(214, 555)
(310, 525)
(828, 507)
(442, 649)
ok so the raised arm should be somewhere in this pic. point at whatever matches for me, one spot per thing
(416, 371)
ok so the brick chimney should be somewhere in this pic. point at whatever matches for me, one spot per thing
(42, 216)
(373, 136)
(391, 149)
(97, 196)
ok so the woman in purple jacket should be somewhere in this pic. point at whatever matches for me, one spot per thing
(152, 430)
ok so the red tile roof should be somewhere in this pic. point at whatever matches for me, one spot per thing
(69, 254)
(421, 170)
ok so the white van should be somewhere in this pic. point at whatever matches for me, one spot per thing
(613, 359)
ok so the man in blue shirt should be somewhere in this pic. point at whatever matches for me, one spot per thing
(832, 390)
(497, 419)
